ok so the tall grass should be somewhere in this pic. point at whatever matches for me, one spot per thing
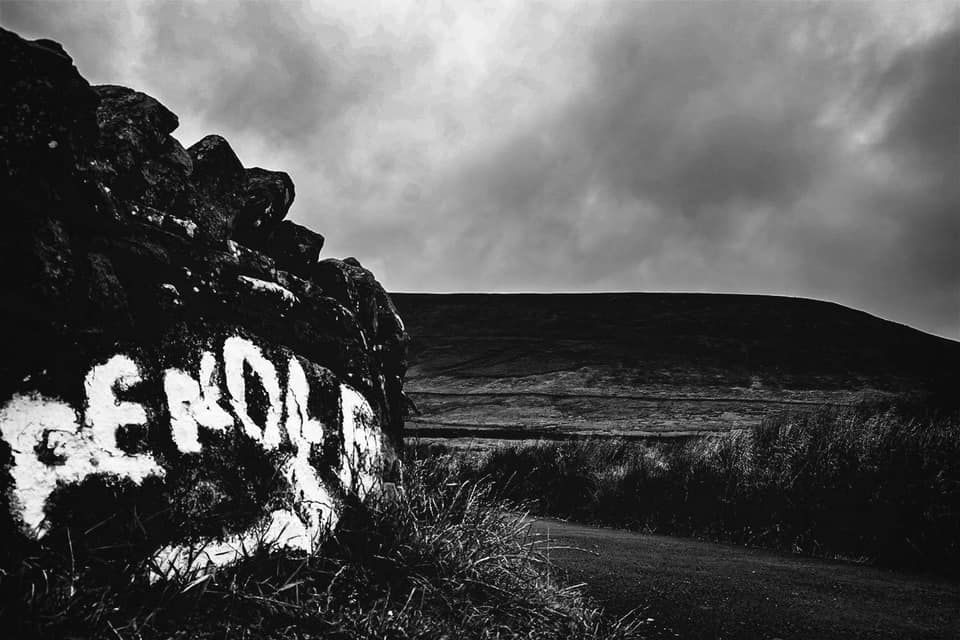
(874, 485)
(441, 560)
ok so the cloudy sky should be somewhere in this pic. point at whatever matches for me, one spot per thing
(765, 147)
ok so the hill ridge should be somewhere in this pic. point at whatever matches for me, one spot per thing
(619, 363)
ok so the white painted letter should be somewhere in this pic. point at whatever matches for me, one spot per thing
(299, 424)
(362, 456)
(236, 352)
(29, 423)
(312, 501)
(105, 413)
(23, 422)
(193, 403)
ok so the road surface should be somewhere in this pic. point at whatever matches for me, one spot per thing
(705, 590)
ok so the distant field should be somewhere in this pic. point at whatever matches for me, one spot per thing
(520, 366)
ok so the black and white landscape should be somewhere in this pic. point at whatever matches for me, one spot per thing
(497, 319)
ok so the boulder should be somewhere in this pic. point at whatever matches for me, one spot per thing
(295, 248)
(216, 167)
(140, 161)
(48, 127)
(358, 290)
(182, 358)
(264, 199)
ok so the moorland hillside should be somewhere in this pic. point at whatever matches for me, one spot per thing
(632, 364)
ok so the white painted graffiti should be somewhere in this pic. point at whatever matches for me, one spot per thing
(77, 448)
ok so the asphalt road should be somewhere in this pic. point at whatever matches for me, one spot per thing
(705, 590)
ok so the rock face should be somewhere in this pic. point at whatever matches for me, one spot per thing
(181, 373)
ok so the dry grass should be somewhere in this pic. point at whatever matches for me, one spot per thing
(442, 560)
(880, 485)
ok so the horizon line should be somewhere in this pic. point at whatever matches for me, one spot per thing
(955, 340)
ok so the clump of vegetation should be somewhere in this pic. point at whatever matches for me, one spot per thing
(879, 485)
(441, 560)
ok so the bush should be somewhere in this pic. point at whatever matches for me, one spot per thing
(871, 484)
(442, 560)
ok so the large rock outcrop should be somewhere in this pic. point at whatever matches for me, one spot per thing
(180, 371)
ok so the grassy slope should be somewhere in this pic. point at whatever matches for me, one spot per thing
(529, 365)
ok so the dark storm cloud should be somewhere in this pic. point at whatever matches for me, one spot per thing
(895, 249)
(716, 148)
(804, 149)
(923, 141)
(691, 121)
(703, 107)
(924, 83)
(261, 69)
